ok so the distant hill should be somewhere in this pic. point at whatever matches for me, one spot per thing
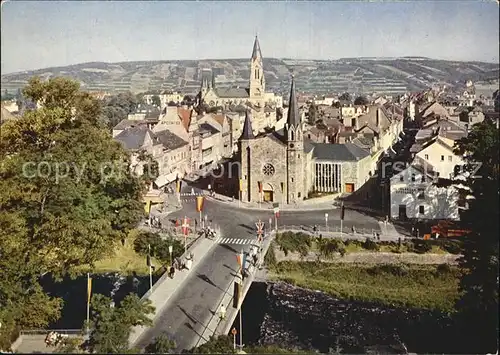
(356, 75)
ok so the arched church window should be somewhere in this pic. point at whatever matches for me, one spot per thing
(292, 136)
(268, 169)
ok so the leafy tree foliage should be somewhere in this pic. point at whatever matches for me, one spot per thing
(155, 100)
(345, 96)
(111, 326)
(159, 246)
(361, 100)
(66, 197)
(216, 345)
(117, 108)
(150, 167)
(161, 345)
(478, 306)
(313, 113)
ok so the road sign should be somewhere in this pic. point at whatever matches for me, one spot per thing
(234, 331)
(260, 227)
(185, 226)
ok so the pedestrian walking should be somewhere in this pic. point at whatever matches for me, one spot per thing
(222, 312)
(254, 258)
(171, 272)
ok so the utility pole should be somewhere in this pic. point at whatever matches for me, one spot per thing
(150, 269)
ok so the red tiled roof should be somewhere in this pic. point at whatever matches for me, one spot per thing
(185, 116)
(219, 118)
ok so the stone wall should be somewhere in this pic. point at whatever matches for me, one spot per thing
(372, 258)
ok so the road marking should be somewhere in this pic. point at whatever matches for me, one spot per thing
(238, 241)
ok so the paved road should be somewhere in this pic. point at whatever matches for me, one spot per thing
(188, 312)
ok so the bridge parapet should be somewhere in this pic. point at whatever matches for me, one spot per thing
(217, 326)
(165, 288)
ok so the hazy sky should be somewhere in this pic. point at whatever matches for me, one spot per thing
(39, 34)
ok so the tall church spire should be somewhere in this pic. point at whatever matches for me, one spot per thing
(247, 127)
(256, 49)
(293, 117)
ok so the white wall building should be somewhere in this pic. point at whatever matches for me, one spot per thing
(439, 157)
(414, 195)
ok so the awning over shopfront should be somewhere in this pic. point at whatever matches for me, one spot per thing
(167, 179)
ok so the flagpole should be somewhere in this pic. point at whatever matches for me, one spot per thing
(341, 218)
(150, 272)
(88, 301)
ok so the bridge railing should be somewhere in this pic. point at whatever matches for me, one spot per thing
(46, 331)
(329, 229)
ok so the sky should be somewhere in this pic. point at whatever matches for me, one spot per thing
(41, 34)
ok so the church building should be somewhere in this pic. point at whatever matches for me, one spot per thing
(284, 166)
(255, 94)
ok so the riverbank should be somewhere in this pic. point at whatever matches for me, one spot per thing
(405, 285)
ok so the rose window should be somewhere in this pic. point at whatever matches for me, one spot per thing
(268, 170)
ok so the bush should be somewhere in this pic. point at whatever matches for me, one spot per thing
(396, 270)
(329, 246)
(451, 246)
(443, 269)
(370, 245)
(222, 344)
(422, 246)
(294, 242)
(161, 345)
(159, 246)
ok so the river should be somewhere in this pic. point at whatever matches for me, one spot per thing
(282, 314)
(278, 313)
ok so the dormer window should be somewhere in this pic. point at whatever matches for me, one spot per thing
(413, 177)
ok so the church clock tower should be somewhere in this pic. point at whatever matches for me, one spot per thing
(295, 150)
(257, 85)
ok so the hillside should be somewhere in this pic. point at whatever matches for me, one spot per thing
(390, 75)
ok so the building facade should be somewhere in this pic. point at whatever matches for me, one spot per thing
(284, 166)
(414, 195)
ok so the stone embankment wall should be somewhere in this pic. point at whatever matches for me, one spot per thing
(372, 258)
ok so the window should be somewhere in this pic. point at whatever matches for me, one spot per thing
(421, 209)
(413, 177)
(401, 178)
(292, 179)
(442, 157)
(421, 196)
(298, 194)
(268, 169)
(427, 157)
(449, 158)
(353, 122)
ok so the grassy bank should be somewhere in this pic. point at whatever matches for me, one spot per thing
(419, 286)
(303, 243)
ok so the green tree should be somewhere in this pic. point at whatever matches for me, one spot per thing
(361, 100)
(111, 326)
(66, 198)
(478, 306)
(150, 167)
(345, 97)
(216, 345)
(313, 113)
(155, 100)
(161, 345)
(117, 108)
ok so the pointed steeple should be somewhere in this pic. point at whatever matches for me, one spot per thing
(247, 127)
(293, 117)
(256, 49)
